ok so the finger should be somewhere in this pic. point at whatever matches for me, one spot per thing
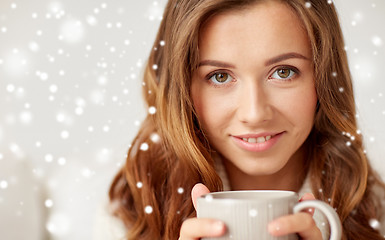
(301, 223)
(308, 196)
(195, 228)
(198, 190)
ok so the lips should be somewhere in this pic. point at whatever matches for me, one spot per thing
(257, 142)
(258, 139)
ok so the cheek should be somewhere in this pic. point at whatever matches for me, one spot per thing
(303, 106)
(298, 106)
(310, 103)
(201, 107)
(212, 109)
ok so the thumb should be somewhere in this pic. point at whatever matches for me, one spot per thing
(198, 190)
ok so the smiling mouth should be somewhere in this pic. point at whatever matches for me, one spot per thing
(257, 140)
(260, 139)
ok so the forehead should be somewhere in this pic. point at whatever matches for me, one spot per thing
(263, 26)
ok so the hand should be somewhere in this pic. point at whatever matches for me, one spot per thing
(196, 228)
(301, 223)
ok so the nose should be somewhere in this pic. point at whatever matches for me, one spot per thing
(254, 105)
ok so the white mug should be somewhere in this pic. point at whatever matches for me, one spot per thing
(248, 213)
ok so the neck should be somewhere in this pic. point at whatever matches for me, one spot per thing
(290, 177)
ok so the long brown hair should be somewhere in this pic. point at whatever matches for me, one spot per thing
(152, 191)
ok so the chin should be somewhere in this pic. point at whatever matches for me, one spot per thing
(262, 169)
(261, 172)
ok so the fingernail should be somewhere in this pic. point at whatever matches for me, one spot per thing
(218, 226)
(274, 227)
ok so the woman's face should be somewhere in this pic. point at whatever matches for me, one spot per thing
(254, 89)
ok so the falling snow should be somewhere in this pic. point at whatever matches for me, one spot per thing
(209, 198)
(48, 158)
(148, 209)
(72, 31)
(155, 137)
(3, 184)
(70, 92)
(144, 147)
(253, 212)
(48, 203)
(374, 223)
(377, 41)
(62, 161)
(64, 134)
(152, 110)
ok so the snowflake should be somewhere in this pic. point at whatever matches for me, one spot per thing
(144, 147)
(148, 209)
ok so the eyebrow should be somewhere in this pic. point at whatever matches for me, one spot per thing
(285, 56)
(215, 63)
(271, 61)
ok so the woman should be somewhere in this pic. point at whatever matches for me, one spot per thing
(249, 95)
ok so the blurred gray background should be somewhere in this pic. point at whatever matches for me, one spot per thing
(70, 102)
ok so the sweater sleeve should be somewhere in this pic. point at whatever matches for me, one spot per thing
(107, 226)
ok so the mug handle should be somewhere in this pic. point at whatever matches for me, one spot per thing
(328, 211)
